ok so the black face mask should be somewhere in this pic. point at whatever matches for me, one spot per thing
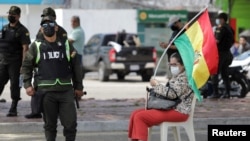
(49, 31)
(12, 19)
(174, 28)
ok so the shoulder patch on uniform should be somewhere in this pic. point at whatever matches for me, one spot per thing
(64, 35)
(27, 34)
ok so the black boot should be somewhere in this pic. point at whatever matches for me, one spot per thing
(50, 136)
(2, 100)
(13, 109)
(215, 93)
(33, 115)
(214, 96)
(226, 95)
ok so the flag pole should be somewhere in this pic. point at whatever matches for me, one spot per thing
(170, 43)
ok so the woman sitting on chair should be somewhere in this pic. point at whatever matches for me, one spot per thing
(141, 119)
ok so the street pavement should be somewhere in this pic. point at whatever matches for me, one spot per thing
(104, 113)
(94, 136)
(131, 87)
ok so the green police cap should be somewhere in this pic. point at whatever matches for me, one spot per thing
(49, 12)
(47, 19)
(14, 10)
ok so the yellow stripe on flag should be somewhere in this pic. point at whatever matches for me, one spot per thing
(200, 69)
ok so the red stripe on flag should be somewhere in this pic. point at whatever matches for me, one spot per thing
(209, 48)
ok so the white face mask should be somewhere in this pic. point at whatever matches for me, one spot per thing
(174, 70)
(217, 21)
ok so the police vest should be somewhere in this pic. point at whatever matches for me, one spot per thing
(10, 42)
(53, 63)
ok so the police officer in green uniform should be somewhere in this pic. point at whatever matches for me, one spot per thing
(36, 99)
(13, 47)
(58, 79)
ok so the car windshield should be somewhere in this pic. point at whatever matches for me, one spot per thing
(108, 38)
(94, 41)
(243, 56)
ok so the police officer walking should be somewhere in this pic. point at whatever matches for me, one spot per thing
(58, 78)
(36, 98)
(13, 47)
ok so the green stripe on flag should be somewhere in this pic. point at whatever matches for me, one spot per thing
(186, 51)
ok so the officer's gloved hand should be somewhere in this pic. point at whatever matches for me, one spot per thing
(78, 93)
(30, 91)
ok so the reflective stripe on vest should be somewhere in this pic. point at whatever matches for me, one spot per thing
(52, 82)
(67, 50)
(38, 51)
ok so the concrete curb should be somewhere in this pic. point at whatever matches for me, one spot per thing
(110, 126)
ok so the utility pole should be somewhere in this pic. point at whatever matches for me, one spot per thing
(230, 7)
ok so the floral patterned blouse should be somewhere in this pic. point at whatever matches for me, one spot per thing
(177, 86)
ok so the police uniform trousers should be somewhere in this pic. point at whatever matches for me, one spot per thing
(225, 59)
(10, 71)
(36, 99)
(36, 103)
(59, 104)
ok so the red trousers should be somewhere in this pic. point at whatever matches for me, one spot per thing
(141, 119)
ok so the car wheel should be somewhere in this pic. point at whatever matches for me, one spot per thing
(102, 72)
(238, 87)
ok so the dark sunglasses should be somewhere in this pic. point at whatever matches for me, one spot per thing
(48, 24)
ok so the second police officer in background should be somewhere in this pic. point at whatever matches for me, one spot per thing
(58, 79)
(14, 45)
(36, 99)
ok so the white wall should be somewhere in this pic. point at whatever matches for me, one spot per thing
(99, 21)
(92, 21)
(30, 16)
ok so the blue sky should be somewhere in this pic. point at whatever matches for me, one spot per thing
(32, 1)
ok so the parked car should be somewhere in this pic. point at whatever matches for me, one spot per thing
(104, 55)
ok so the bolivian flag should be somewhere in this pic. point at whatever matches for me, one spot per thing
(198, 49)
